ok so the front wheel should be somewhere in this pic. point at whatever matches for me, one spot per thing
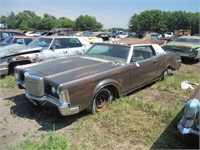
(101, 101)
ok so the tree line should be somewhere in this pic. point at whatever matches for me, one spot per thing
(149, 20)
(27, 20)
(162, 21)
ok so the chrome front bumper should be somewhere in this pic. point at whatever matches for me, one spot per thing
(184, 130)
(64, 108)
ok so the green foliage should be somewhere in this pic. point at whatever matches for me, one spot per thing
(149, 20)
(161, 21)
(87, 23)
(29, 20)
(7, 82)
(53, 141)
(65, 23)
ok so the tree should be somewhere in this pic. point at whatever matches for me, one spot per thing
(87, 23)
(65, 23)
(12, 21)
(24, 19)
(150, 20)
(48, 22)
(161, 21)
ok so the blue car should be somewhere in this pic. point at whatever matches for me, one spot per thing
(189, 123)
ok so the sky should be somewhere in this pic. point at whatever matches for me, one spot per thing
(111, 13)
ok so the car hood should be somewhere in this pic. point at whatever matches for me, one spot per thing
(16, 49)
(69, 69)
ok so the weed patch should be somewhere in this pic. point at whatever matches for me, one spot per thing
(52, 141)
(8, 82)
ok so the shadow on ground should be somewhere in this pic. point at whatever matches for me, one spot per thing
(48, 117)
(171, 135)
(189, 61)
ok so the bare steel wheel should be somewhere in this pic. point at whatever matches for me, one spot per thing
(165, 74)
(101, 100)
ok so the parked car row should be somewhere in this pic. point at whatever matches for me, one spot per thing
(6, 33)
(54, 69)
(24, 40)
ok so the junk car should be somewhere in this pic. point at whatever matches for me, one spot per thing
(186, 46)
(41, 49)
(91, 81)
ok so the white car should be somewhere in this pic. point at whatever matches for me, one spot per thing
(168, 35)
(42, 48)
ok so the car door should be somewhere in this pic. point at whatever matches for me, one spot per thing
(74, 47)
(143, 66)
(56, 49)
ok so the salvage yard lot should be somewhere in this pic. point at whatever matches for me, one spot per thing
(144, 119)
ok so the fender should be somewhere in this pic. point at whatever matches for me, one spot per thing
(105, 83)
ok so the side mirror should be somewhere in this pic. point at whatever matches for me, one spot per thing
(137, 64)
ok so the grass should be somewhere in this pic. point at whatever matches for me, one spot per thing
(51, 142)
(131, 124)
(173, 82)
(8, 82)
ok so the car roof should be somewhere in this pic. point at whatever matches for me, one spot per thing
(122, 44)
(22, 36)
(57, 36)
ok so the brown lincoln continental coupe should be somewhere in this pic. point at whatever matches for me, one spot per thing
(91, 81)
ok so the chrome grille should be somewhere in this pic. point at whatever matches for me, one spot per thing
(34, 85)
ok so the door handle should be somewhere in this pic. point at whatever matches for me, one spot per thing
(155, 61)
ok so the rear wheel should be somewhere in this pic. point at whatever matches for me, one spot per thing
(100, 101)
(165, 74)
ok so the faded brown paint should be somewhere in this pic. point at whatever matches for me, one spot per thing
(145, 40)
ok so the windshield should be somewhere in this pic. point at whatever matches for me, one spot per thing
(188, 40)
(109, 52)
(41, 42)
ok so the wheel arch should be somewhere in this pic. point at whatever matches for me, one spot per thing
(13, 64)
(110, 84)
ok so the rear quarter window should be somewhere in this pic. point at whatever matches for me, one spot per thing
(73, 42)
(27, 41)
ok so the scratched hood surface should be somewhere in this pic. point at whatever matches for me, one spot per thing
(69, 69)
(16, 49)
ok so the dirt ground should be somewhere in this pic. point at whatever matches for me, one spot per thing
(21, 120)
